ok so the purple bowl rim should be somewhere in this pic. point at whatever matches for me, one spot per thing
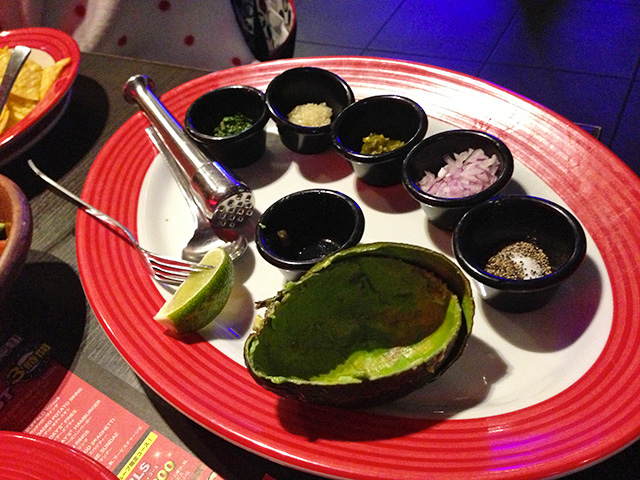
(18, 244)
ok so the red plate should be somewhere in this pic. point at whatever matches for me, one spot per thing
(58, 45)
(589, 420)
(29, 457)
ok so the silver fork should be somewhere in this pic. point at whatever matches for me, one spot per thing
(162, 268)
(205, 237)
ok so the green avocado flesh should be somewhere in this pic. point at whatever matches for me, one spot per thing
(361, 319)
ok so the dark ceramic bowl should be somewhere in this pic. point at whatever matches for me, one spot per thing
(302, 228)
(208, 110)
(489, 227)
(16, 213)
(393, 116)
(299, 86)
(429, 155)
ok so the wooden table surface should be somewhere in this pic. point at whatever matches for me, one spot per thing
(50, 288)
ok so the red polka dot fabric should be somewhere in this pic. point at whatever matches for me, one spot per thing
(80, 11)
(213, 34)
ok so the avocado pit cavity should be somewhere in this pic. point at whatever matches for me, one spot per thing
(354, 321)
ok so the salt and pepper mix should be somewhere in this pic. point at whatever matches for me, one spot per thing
(519, 261)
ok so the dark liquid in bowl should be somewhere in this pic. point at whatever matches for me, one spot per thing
(317, 249)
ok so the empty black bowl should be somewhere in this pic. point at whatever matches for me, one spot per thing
(208, 110)
(300, 86)
(302, 228)
(395, 117)
(491, 226)
(429, 156)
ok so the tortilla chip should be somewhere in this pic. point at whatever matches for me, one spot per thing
(19, 108)
(50, 74)
(30, 87)
(4, 119)
(27, 84)
(4, 59)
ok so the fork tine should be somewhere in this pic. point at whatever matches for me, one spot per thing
(172, 274)
(177, 272)
(164, 269)
(170, 265)
(168, 279)
(171, 270)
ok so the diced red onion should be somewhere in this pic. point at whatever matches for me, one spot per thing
(467, 173)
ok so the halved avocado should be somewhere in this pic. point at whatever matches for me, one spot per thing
(366, 326)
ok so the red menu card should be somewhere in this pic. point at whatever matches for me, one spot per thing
(39, 396)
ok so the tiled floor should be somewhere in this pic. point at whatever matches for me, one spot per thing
(580, 58)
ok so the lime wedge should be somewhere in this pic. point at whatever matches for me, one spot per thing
(201, 297)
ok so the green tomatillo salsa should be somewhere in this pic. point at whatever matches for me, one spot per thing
(232, 125)
(377, 143)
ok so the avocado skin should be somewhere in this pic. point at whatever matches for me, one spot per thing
(391, 387)
(369, 393)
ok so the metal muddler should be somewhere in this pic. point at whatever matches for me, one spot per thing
(225, 201)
